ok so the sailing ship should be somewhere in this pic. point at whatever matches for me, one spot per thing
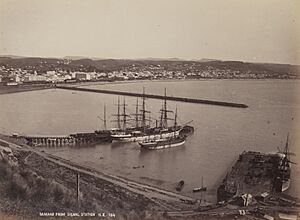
(164, 142)
(282, 180)
(142, 130)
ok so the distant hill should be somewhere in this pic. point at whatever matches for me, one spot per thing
(78, 63)
(13, 56)
(81, 58)
(205, 60)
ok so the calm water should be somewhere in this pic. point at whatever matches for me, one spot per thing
(221, 133)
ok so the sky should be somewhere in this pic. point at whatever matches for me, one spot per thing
(246, 30)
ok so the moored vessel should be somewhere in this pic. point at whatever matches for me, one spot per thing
(143, 131)
(199, 189)
(180, 185)
(256, 173)
(162, 143)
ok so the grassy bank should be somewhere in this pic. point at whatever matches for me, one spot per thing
(37, 185)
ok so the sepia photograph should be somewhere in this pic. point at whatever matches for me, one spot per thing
(150, 109)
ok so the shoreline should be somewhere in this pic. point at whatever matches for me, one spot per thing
(115, 179)
(210, 195)
(28, 88)
(83, 84)
(124, 197)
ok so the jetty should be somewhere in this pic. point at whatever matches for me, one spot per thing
(46, 140)
(96, 137)
(152, 96)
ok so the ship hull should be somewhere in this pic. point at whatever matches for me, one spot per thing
(144, 137)
(285, 185)
(255, 173)
(156, 145)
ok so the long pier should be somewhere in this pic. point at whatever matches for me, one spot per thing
(152, 96)
(67, 140)
(49, 140)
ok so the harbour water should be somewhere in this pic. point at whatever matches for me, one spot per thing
(221, 133)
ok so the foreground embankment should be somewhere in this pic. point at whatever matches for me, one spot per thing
(33, 182)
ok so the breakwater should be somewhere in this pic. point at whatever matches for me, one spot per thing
(152, 96)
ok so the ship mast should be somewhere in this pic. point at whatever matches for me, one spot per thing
(124, 114)
(165, 111)
(175, 120)
(286, 146)
(137, 113)
(144, 111)
(104, 120)
(286, 150)
(161, 118)
(201, 190)
(118, 114)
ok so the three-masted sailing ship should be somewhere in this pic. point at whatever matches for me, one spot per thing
(143, 131)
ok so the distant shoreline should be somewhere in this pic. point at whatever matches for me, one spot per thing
(27, 88)
(17, 89)
(175, 80)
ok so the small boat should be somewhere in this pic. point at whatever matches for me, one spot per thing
(180, 185)
(199, 189)
(162, 143)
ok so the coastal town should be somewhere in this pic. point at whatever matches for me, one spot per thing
(149, 110)
(17, 71)
(252, 189)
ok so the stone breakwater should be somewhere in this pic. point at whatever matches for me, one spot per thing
(152, 96)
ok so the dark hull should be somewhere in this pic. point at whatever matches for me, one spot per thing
(255, 173)
(92, 138)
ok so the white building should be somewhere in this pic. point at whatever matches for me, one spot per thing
(30, 78)
(51, 73)
(82, 76)
(17, 79)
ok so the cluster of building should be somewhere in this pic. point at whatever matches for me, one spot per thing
(19, 76)
(16, 76)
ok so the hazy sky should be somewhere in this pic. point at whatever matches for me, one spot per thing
(249, 30)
